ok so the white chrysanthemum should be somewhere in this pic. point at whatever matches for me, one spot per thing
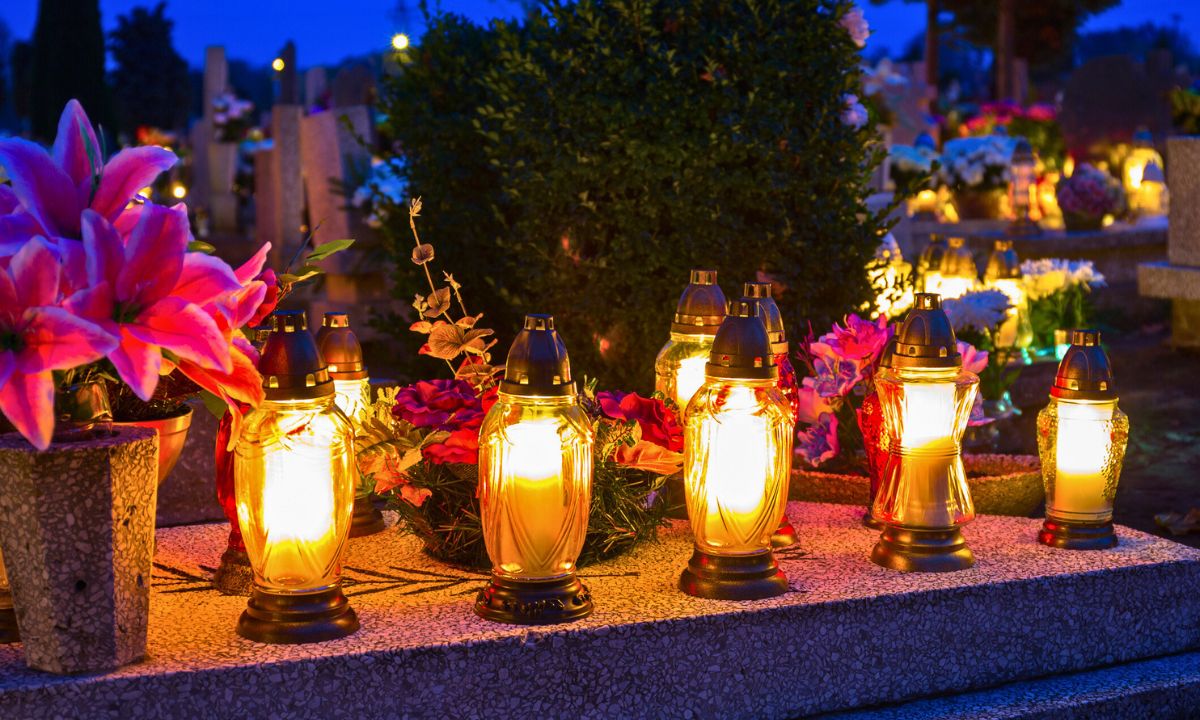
(982, 310)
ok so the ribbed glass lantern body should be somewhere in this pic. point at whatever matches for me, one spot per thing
(1082, 447)
(679, 367)
(352, 398)
(737, 462)
(535, 485)
(1016, 331)
(295, 477)
(925, 414)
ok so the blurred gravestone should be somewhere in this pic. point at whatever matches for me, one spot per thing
(216, 82)
(279, 188)
(289, 80)
(1110, 97)
(353, 86)
(316, 82)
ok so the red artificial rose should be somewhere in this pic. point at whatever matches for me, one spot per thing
(658, 424)
(461, 447)
(440, 404)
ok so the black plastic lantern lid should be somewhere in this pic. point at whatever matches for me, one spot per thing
(1023, 153)
(1085, 372)
(291, 364)
(958, 261)
(926, 340)
(742, 348)
(259, 335)
(537, 361)
(768, 312)
(340, 347)
(701, 307)
(1003, 262)
(889, 351)
(1142, 137)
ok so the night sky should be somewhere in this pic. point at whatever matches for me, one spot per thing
(325, 31)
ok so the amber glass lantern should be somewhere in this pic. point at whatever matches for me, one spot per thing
(737, 460)
(1081, 439)
(926, 399)
(772, 319)
(1003, 273)
(1024, 181)
(1133, 170)
(929, 265)
(352, 392)
(957, 274)
(535, 485)
(679, 367)
(294, 477)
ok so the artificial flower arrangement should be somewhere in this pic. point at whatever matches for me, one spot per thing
(1087, 196)
(1058, 293)
(419, 444)
(910, 165)
(976, 163)
(976, 318)
(839, 419)
(1037, 123)
(98, 286)
(231, 117)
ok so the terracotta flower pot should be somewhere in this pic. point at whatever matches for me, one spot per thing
(1000, 485)
(77, 533)
(979, 204)
(172, 434)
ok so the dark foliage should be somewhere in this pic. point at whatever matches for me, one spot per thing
(150, 81)
(68, 62)
(581, 162)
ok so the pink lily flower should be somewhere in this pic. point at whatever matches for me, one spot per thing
(55, 190)
(38, 337)
(140, 293)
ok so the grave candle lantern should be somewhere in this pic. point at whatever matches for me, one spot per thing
(679, 367)
(535, 485)
(1003, 273)
(737, 460)
(1024, 180)
(772, 319)
(926, 399)
(1142, 154)
(343, 356)
(929, 265)
(1081, 440)
(294, 476)
(957, 274)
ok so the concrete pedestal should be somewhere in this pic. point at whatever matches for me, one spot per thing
(847, 636)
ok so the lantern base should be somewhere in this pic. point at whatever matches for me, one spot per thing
(367, 520)
(733, 577)
(922, 550)
(8, 619)
(297, 618)
(534, 602)
(870, 521)
(1077, 536)
(234, 576)
(785, 535)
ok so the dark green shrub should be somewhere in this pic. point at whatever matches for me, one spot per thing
(581, 162)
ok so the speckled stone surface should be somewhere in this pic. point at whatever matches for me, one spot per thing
(1183, 177)
(1164, 280)
(1163, 689)
(1000, 485)
(77, 532)
(849, 634)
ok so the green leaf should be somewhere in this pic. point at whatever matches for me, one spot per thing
(213, 404)
(324, 250)
(201, 246)
(305, 272)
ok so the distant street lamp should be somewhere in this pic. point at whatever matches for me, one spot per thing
(400, 41)
(278, 65)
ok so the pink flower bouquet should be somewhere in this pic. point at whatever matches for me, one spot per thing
(89, 274)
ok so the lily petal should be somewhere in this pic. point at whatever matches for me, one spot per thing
(54, 339)
(17, 227)
(185, 330)
(94, 304)
(137, 363)
(35, 273)
(8, 200)
(71, 144)
(153, 257)
(42, 187)
(103, 249)
(204, 278)
(252, 267)
(28, 403)
(127, 172)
